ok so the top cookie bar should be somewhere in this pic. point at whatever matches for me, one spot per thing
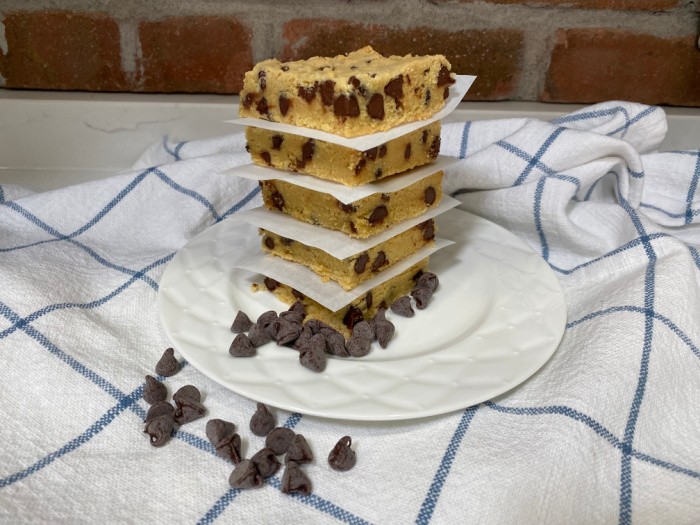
(349, 95)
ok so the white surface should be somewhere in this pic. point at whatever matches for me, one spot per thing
(345, 194)
(365, 142)
(496, 318)
(50, 139)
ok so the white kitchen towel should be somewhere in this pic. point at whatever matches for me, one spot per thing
(607, 431)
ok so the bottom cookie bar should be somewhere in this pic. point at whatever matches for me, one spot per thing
(364, 307)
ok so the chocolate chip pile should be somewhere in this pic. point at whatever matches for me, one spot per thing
(162, 418)
(315, 339)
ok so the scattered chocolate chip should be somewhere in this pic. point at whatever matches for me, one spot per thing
(354, 81)
(313, 356)
(285, 104)
(352, 317)
(360, 165)
(407, 151)
(429, 195)
(378, 173)
(361, 263)
(352, 227)
(277, 200)
(378, 215)
(167, 365)
(358, 346)
(315, 325)
(188, 410)
(371, 154)
(384, 331)
(368, 299)
(241, 323)
(428, 228)
(270, 284)
(159, 429)
(363, 330)
(288, 331)
(258, 335)
(269, 242)
(187, 392)
(308, 149)
(346, 106)
(424, 136)
(446, 93)
(382, 151)
(326, 89)
(230, 448)
(347, 208)
(295, 480)
(342, 457)
(245, 476)
(262, 81)
(335, 343)
(292, 316)
(298, 307)
(277, 141)
(273, 328)
(154, 391)
(434, 150)
(262, 106)
(279, 439)
(296, 293)
(262, 422)
(248, 100)
(222, 435)
(379, 261)
(394, 89)
(427, 97)
(242, 346)
(422, 296)
(266, 318)
(375, 107)
(307, 93)
(428, 280)
(403, 307)
(444, 77)
(265, 155)
(304, 338)
(266, 462)
(160, 409)
(299, 451)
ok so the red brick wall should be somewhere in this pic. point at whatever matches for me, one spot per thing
(547, 50)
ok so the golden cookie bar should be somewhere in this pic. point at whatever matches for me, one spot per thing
(329, 161)
(364, 307)
(361, 218)
(359, 93)
(358, 268)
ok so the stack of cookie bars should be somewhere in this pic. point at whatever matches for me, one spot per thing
(351, 95)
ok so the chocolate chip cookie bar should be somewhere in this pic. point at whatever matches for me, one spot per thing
(361, 218)
(358, 268)
(364, 307)
(356, 94)
(329, 161)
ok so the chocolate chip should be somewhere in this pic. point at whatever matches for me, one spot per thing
(371, 154)
(241, 323)
(424, 136)
(368, 299)
(187, 392)
(403, 307)
(354, 81)
(266, 318)
(394, 89)
(428, 228)
(277, 141)
(277, 200)
(428, 280)
(293, 316)
(262, 81)
(159, 429)
(444, 77)
(352, 317)
(378, 215)
(429, 195)
(262, 422)
(160, 409)
(361, 263)
(427, 97)
(242, 347)
(222, 435)
(326, 89)
(307, 93)
(248, 100)
(407, 151)
(378, 173)
(421, 295)
(375, 107)
(384, 331)
(434, 147)
(288, 331)
(154, 391)
(245, 476)
(270, 284)
(230, 449)
(382, 150)
(189, 410)
(346, 106)
(360, 165)
(308, 149)
(299, 451)
(286, 241)
(262, 106)
(363, 330)
(304, 338)
(386, 197)
(352, 227)
(446, 93)
(265, 155)
(269, 242)
(284, 68)
(313, 356)
(273, 328)
(315, 325)
(279, 439)
(266, 462)
(358, 346)
(347, 208)
(258, 335)
(335, 342)
(379, 261)
(167, 364)
(295, 480)
(342, 457)
(285, 104)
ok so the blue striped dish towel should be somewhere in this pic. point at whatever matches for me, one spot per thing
(607, 431)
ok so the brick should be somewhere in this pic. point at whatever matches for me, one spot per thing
(629, 5)
(592, 65)
(492, 55)
(195, 54)
(62, 50)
